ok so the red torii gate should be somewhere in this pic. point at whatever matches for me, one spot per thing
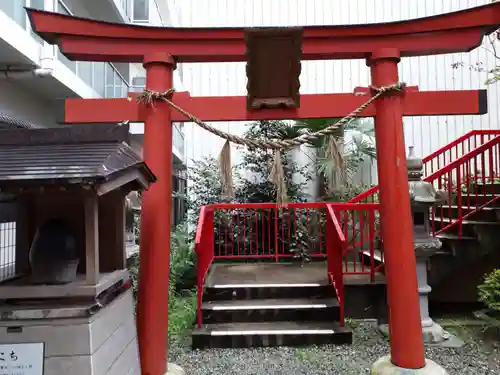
(382, 45)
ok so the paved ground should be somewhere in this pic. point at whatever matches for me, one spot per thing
(475, 358)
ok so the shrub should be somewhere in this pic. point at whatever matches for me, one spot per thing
(181, 312)
(133, 269)
(204, 189)
(182, 260)
(257, 163)
(182, 300)
(489, 291)
(348, 192)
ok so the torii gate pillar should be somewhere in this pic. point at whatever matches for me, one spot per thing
(407, 347)
(152, 311)
(395, 213)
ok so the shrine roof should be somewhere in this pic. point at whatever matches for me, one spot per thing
(67, 155)
(12, 122)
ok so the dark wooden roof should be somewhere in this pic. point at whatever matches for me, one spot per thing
(84, 154)
(12, 122)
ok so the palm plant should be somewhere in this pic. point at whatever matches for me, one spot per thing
(338, 161)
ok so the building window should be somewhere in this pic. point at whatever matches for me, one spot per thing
(15, 10)
(63, 9)
(141, 11)
(179, 206)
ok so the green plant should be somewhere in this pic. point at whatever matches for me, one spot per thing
(181, 312)
(182, 298)
(182, 260)
(350, 322)
(493, 73)
(489, 290)
(256, 187)
(300, 246)
(205, 187)
(133, 269)
(348, 192)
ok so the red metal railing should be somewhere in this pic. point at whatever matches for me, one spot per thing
(335, 245)
(204, 248)
(345, 234)
(440, 158)
(470, 183)
(360, 224)
(469, 180)
(268, 231)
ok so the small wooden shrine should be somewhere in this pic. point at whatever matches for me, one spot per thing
(70, 186)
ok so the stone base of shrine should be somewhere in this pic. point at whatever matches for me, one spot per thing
(384, 366)
(71, 337)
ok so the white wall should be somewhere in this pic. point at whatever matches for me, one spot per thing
(19, 102)
(429, 73)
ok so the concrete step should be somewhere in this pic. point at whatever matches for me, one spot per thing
(475, 200)
(269, 310)
(288, 333)
(487, 187)
(267, 291)
(469, 227)
(454, 211)
(453, 237)
(378, 257)
(267, 281)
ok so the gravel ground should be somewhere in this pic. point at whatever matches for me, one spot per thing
(474, 358)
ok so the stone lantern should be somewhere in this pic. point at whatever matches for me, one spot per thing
(423, 196)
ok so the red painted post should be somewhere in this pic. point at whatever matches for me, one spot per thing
(152, 310)
(407, 349)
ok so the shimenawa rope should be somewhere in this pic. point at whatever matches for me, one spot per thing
(148, 97)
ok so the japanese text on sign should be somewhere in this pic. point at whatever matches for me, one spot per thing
(21, 359)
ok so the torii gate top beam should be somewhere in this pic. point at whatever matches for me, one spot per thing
(89, 40)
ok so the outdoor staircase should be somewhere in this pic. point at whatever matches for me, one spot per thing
(272, 309)
(463, 245)
(251, 294)
(468, 226)
(470, 249)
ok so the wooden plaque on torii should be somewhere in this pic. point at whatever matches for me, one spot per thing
(273, 67)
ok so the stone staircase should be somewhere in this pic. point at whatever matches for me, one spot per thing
(271, 304)
(469, 250)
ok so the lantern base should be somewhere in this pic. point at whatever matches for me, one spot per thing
(433, 333)
(384, 366)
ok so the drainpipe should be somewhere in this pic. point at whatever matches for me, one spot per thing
(45, 68)
(47, 58)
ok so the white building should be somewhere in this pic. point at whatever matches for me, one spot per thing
(34, 98)
(35, 77)
(429, 73)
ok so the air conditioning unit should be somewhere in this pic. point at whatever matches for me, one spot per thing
(138, 84)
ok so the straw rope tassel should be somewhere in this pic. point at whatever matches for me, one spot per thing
(277, 177)
(226, 172)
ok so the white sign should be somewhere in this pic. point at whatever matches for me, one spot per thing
(21, 359)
